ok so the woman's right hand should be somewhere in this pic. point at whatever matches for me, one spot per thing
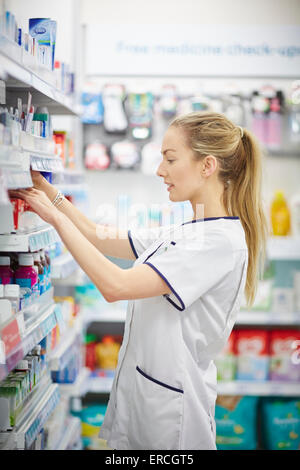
(38, 180)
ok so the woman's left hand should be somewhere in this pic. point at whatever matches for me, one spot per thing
(39, 203)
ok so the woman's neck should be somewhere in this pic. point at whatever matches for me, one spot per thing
(209, 205)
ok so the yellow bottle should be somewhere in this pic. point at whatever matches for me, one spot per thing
(280, 215)
(107, 353)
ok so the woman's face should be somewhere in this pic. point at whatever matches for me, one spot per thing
(180, 171)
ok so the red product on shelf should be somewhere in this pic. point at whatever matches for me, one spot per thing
(18, 209)
(59, 138)
(252, 349)
(90, 352)
(229, 347)
(285, 355)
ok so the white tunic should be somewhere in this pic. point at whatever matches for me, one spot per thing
(164, 390)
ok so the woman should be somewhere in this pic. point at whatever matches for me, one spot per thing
(185, 287)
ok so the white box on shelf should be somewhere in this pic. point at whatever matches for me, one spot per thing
(283, 300)
(6, 219)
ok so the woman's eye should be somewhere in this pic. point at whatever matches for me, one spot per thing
(170, 161)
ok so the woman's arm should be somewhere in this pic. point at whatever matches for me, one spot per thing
(109, 240)
(113, 282)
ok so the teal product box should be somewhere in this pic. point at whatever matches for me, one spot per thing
(44, 30)
(236, 423)
(281, 423)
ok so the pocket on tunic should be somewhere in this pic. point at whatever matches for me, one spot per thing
(155, 414)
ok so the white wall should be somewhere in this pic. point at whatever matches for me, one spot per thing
(191, 11)
(279, 173)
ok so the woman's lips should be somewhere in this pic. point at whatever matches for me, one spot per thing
(170, 187)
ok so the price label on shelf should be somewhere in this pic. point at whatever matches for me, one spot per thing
(10, 335)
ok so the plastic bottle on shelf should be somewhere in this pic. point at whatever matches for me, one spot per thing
(280, 215)
(274, 128)
(107, 353)
(6, 273)
(90, 352)
(45, 260)
(48, 261)
(41, 271)
(26, 275)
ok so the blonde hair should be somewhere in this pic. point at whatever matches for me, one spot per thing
(240, 170)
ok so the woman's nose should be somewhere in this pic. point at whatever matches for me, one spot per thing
(160, 170)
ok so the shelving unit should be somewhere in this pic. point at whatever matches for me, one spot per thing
(267, 388)
(22, 74)
(30, 241)
(80, 387)
(40, 328)
(65, 349)
(72, 435)
(63, 266)
(34, 416)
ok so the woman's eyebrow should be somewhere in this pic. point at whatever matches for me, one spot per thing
(167, 150)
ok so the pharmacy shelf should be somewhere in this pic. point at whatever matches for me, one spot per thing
(63, 266)
(283, 248)
(72, 434)
(23, 74)
(38, 329)
(16, 161)
(26, 406)
(41, 408)
(100, 384)
(77, 278)
(35, 412)
(68, 344)
(113, 314)
(79, 387)
(268, 318)
(103, 314)
(29, 242)
(267, 388)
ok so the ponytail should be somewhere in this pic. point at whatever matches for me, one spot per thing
(240, 171)
(242, 197)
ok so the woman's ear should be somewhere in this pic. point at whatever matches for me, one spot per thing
(209, 165)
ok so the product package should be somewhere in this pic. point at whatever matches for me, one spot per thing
(281, 423)
(92, 417)
(140, 106)
(124, 154)
(226, 360)
(252, 349)
(92, 105)
(114, 119)
(44, 30)
(236, 423)
(96, 156)
(284, 363)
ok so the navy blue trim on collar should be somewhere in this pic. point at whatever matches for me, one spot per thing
(158, 381)
(210, 218)
(132, 245)
(169, 285)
